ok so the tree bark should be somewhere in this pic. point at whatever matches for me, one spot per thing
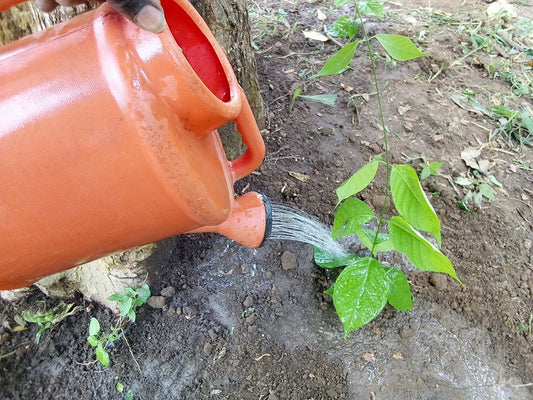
(229, 22)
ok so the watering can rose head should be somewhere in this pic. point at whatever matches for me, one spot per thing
(146, 14)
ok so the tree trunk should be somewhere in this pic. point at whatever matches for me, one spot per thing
(228, 20)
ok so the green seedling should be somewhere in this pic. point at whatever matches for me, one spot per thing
(397, 47)
(429, 169)
(119, 386)
(45, 319)
(101, 340)
(365, 285)
(129, 301)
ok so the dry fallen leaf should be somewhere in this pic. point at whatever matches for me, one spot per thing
(397, 356)
(469, 156)
(320, 15)
(346, 87)
(403, 109)
(299, 176)
(313, 35)
(369, 357)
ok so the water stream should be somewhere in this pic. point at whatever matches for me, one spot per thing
(292, 224)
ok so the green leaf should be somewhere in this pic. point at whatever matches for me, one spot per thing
(411, 201)
(327, 99)
(125, 306)
(383, 242)
(102, 355)
(399, 290)
(94, 327)
(93, 341)
(340, 3)
(340, 61)
(487, 191)
(326, 259)
(132, 316)
(330, 290)
(431, 169)
(144, 292)
(358, 181)
(422, 254)
(371, 7)
(351, 215)
(344, 27)
(117, 296)
(399, 47)
(360, 293)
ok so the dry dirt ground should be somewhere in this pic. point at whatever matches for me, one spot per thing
(236, 325)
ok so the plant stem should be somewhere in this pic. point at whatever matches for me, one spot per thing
(381, 219)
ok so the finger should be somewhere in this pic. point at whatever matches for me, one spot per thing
(146, 14)
(46, 5)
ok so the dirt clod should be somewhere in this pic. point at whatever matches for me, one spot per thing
(288, 261)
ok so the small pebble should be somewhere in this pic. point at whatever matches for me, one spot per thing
(169, 291)
(156, 301)
(288, 261)
(248, 302)
(208, 348)
(440, 281)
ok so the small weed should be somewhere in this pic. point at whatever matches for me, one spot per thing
(45, 319)
(429, 169)
(129, 301)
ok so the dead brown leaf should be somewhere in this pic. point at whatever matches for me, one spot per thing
(299, 176)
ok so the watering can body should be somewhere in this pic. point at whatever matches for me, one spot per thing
(108, 139)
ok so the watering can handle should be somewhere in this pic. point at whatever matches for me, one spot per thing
(255, 152)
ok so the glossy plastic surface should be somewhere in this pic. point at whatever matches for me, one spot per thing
(108, 139)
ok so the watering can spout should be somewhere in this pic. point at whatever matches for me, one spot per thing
(249, 223)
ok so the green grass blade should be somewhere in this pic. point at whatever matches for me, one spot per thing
(399, 47)
(422, 254)
(411, 201)
(360, 293)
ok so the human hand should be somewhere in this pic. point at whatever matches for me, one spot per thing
(146, 14)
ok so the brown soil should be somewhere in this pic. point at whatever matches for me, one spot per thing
(239, 326)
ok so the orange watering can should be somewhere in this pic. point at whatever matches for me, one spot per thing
(108, 141)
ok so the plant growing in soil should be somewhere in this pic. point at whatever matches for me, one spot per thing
(365, 285)
(46, 319)
(129, 301)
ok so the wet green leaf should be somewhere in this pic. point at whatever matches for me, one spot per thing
(359, 180)
(360, 293)
(399, 290)
(340, 61)
(383, 242)
(351, 215)
(399, 47)
(411, 201)
(417, 249)
(344, 27)
(326, 259)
